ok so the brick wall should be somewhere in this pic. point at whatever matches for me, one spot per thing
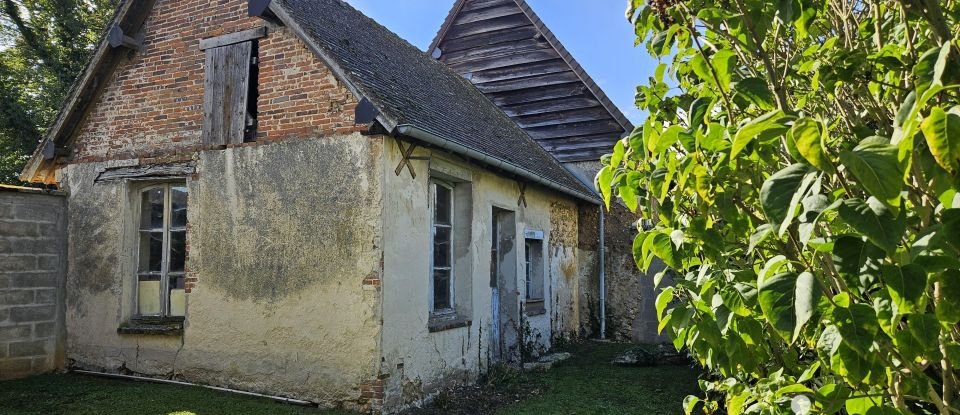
(32, 264)
(153, 105)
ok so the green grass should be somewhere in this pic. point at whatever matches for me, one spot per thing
(585, 384)
(589, 384)
(82, 395)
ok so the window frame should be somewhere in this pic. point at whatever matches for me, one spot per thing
(166, 230)
(452, 310)
(531, 247)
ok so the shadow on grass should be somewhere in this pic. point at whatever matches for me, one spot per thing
(586, 384)
(88, 395)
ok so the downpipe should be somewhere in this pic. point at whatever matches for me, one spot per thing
(280, 399)
(603, 278)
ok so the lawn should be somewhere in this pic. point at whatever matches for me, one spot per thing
(88, 395)
(586, 384)
(589, 384)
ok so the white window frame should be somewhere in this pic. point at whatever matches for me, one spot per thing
(529, 272)
(433, 232)
(165, 256)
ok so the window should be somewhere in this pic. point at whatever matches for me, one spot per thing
(162, 251)
(533, 259)
(441, 269)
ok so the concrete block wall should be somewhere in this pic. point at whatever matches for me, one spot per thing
(32, 269)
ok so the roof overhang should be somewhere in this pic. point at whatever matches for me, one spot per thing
(127, 21)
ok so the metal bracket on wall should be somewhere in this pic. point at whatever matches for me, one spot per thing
(407, 155)
(523, 194)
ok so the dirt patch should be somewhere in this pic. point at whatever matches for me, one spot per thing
(503, 387)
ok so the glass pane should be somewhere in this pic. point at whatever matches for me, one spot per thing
(178, 207)
(442, 205)
(441, 290)
(151, 251)
(529, 271)
(151, 209)
(178, 250)
(148, 295)
(177, 305)
(441, 247)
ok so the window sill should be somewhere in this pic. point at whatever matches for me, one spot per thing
(443, 323)
(154, 326)
(535, 308)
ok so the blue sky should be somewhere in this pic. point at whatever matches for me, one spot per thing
(594, 31)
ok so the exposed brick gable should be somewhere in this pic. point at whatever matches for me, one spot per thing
(152, 106)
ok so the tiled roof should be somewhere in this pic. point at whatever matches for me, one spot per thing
(409, 87)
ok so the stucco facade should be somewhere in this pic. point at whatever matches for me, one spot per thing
(283, 260)
(418, 360)
(306, 251)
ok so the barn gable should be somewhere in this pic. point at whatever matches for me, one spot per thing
(504, 49)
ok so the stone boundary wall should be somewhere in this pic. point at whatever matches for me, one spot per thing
(32, 268)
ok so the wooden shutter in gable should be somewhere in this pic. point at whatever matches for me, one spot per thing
(226, 86)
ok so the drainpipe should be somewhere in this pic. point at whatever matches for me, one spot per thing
(603, 281)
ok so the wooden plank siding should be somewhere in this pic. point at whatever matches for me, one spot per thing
(509, 55)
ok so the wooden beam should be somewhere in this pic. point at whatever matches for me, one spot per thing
(534, 56)
(506, 22)
(470, 16)
(528, 82)
(579, 142)
(147, 172)
(233, 38)
(563, 117)
(530, 95)
(494, 50)
(560, 104)
(608, 126)
(480, 4)
(531, 69)
(483, 39)
(117, 38)
(258, 8)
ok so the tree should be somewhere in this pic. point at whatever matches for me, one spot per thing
(44, 45)
(801, 160)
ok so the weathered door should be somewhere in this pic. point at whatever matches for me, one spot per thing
(504, 304)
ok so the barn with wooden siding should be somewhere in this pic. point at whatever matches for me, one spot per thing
(504, 49)
(513, 58)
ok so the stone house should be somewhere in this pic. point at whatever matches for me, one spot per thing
(285, 197)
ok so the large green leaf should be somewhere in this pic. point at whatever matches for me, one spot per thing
(788, 301)
(951, 227)
(877, 168)
(875, 221)
(771, 122)
(724, 61)
(925, 329)
(782, 192)
(604, 182)
(756, 92)
(858, 326)
(809, 137)
(948, 306)
(906, 286)
(667, 139)
(942, 131)
(661, 246)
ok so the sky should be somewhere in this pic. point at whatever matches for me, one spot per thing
(595, 32)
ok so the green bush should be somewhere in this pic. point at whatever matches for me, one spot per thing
(800, 159)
